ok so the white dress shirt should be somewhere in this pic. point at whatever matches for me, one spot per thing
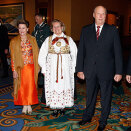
(100, 29)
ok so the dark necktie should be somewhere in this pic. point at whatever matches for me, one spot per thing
(98, 32)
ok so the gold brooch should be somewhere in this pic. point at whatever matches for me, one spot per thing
(58, 44)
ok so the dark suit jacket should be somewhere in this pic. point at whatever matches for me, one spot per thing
(129, 65)
(41, 33)
(4, 41)
(104, 54)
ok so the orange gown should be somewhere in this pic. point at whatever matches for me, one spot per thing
(27, 94)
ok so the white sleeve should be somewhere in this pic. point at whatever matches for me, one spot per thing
(73, 52)
(42, 55)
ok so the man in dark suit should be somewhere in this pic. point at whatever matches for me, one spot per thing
(128, 76)
(41, 32)
(99, 60)
(4, 45)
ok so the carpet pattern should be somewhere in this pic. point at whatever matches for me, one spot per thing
(11, 118)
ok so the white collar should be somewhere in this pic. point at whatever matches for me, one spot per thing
(40, 24)
(100, 26)
(62, 35)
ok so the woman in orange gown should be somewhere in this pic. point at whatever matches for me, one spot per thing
(24, 59)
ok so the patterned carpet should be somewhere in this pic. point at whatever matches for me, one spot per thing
(11, 118)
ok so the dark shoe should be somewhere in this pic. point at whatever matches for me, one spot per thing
(75, 98)
(40, 86)
(83, 122)
(101, 127)
(55, 113)
(43, 102)
(62, 112)
(5, 75)
(129, 129)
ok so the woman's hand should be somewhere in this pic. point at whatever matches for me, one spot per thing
(15, 75)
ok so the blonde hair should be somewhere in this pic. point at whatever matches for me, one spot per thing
(60, 22)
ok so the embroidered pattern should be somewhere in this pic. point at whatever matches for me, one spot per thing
(27, 52)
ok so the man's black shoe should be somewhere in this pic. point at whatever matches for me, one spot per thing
(5, 75)
(43, 101)
(40, 86)
(55, 113)
(129, 129)
(101, 127)
(62, 112)
(83, 122)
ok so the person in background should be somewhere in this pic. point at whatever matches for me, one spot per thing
(24, 61)
(128, 74)
(4, 46)
(41, 32)
(99, 61)
(57, 58)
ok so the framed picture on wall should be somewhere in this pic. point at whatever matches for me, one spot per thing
(10, 14)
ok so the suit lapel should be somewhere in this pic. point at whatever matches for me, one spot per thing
(94, 32)
(103, 32)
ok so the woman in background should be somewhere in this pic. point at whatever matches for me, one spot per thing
(24, 60)
(57, 59)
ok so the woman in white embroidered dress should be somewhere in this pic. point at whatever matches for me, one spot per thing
(57, 58)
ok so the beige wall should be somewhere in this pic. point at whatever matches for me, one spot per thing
(30, 13)
(10, 1)
(77, 13)
(81, 13)
(29, 10)
(62, 11)
(41, 1)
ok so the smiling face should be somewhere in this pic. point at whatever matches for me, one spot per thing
(57, 28)
(22, 29)
(99, 15)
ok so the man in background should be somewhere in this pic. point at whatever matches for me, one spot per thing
(41, 32)
(4, 45)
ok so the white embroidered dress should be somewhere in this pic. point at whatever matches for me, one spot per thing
(59, 94)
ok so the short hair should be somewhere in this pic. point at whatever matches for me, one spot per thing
(38, 14)
(101, 6)
(61, 23)
(22, 21)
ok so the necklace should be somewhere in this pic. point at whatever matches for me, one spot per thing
(23, 40)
